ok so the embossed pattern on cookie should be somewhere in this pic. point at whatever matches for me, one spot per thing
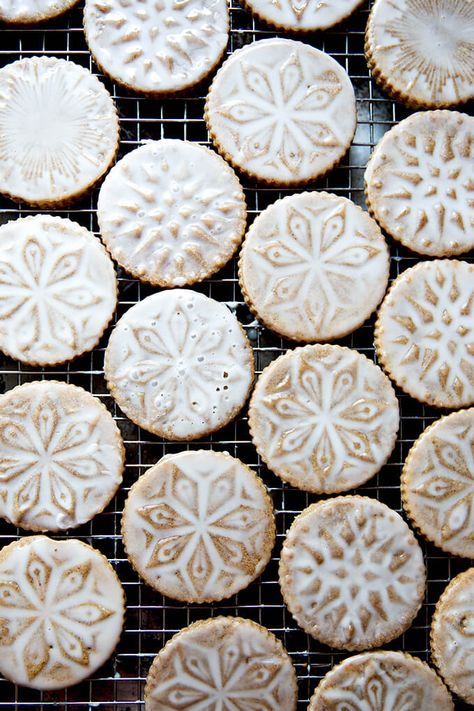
(302, 15)
(28, 11)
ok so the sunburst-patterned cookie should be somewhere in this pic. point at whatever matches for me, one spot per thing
(29, 11)
(302, 15)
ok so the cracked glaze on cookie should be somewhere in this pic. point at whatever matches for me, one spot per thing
(302, 15)
(26, 11)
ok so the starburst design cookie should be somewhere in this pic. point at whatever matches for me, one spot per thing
(28, 11)
(302, 15)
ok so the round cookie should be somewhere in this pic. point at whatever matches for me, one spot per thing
(313, 266)
(424, 332)
(171, 212)
(323, 418)
(224, 662)
(62, 608)
(198, 526)
(352, 573)
(179, 364)
(281, 111)
(422, 53)
(24, 12)
(155, 47)
(302, 15)
(58, 290)
(59, 131)
(418, 183)
(61, 456)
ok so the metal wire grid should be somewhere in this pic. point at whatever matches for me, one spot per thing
(151, 619)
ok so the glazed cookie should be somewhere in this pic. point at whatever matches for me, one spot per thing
(352, 573)
(419, 185)
(324, 418)
(424, 333)
(29, 11)
(179, 364)
(171, 212)
(421, 52)
(302, 15)
(281, 111)
(62, 608)
(313, 266)
(157, 47)
(58, 290)
(228, 661)
(59, 131)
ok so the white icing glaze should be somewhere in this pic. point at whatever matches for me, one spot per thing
(61, 606)
(314, 266)
(179, 364)
(157, 46)
(425, 330)
(419, 182)
(58, 130)
(32, 10)
(352, 572)
(281, 111)
(58, 289)
(303, 15)
(61, 456)
(171, 212)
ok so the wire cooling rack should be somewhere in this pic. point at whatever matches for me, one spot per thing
(151, 619)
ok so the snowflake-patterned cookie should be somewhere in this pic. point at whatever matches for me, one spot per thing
(28, 11)
(281, 111)
(222, 664)
(157, 46)
(313, 266)
(61, 612)
(302, 15)
(424, 335)
(58, 290)
(179, 364)
(171, 212)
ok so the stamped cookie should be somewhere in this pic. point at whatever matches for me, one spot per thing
(313, 266)
(302, 15)
(352, 573)
(421, 52)
(222, 663)
(157, 47)
(281, 111)
(61, 609)
(179, 364)
(59, 131)
(324, 418)
(424, 334)
(419, 184)
(29, 11)
(171, 212)
(58, 290)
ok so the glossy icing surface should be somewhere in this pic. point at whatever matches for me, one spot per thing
(303, 15)
(32, 10)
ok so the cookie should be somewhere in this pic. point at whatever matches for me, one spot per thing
(313, 266)
(281, 111)
(421, 52)
(29, 11)
(324, 418)
(302, 15)
(61, 608)
(452, 646)
(61, 456)
(179, 364)
(154, 47)
(171, 212)
(424, 333)
(224, 662)
(58, 290)
(59, 131)
(352, 573)
(419, 185)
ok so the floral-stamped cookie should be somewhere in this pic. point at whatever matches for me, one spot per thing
(29, 11)
(302, 15)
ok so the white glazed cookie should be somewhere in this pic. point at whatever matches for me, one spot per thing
(352, 573)
(61, 609)
(171, 212)
(419, 183)
(302, 15)
(281, 111)
(324, 418)
(59, 131)
(198, 526)
(61, 456)
(157, 47)
(179, 364)
(58, 290)
(222, 663)
(424, 335)
(421, 52)
(313, 266)
(28, 11)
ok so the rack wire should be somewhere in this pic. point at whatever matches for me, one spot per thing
(151, 619)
